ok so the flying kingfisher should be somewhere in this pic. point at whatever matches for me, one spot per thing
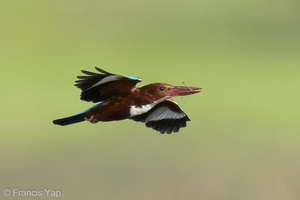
(118, 98)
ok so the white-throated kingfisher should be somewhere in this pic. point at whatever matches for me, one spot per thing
(119, 99)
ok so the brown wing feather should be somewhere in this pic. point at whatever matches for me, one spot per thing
(101, 86)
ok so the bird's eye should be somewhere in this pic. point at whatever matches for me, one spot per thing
(161, 88)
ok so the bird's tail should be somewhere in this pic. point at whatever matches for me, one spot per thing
(69, 120)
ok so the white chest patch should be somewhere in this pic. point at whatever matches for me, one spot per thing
(134, 111)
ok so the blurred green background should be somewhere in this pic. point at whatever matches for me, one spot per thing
(243, 141)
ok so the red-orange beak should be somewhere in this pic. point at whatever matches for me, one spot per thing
(183, 90)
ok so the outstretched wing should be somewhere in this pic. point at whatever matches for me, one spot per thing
(101, 86)
(165, 117)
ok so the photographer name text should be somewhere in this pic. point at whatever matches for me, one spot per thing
(32, 192)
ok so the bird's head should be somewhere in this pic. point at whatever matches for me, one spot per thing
(164, 90)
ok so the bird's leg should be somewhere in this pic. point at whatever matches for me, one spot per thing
(91, 119)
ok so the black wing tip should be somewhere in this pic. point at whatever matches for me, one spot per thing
(89, 78)
(88, 73)
(102, 71)
(168, 125)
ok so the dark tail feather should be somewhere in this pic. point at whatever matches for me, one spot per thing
(69, 120)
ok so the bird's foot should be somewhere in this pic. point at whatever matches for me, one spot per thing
(92, 119)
